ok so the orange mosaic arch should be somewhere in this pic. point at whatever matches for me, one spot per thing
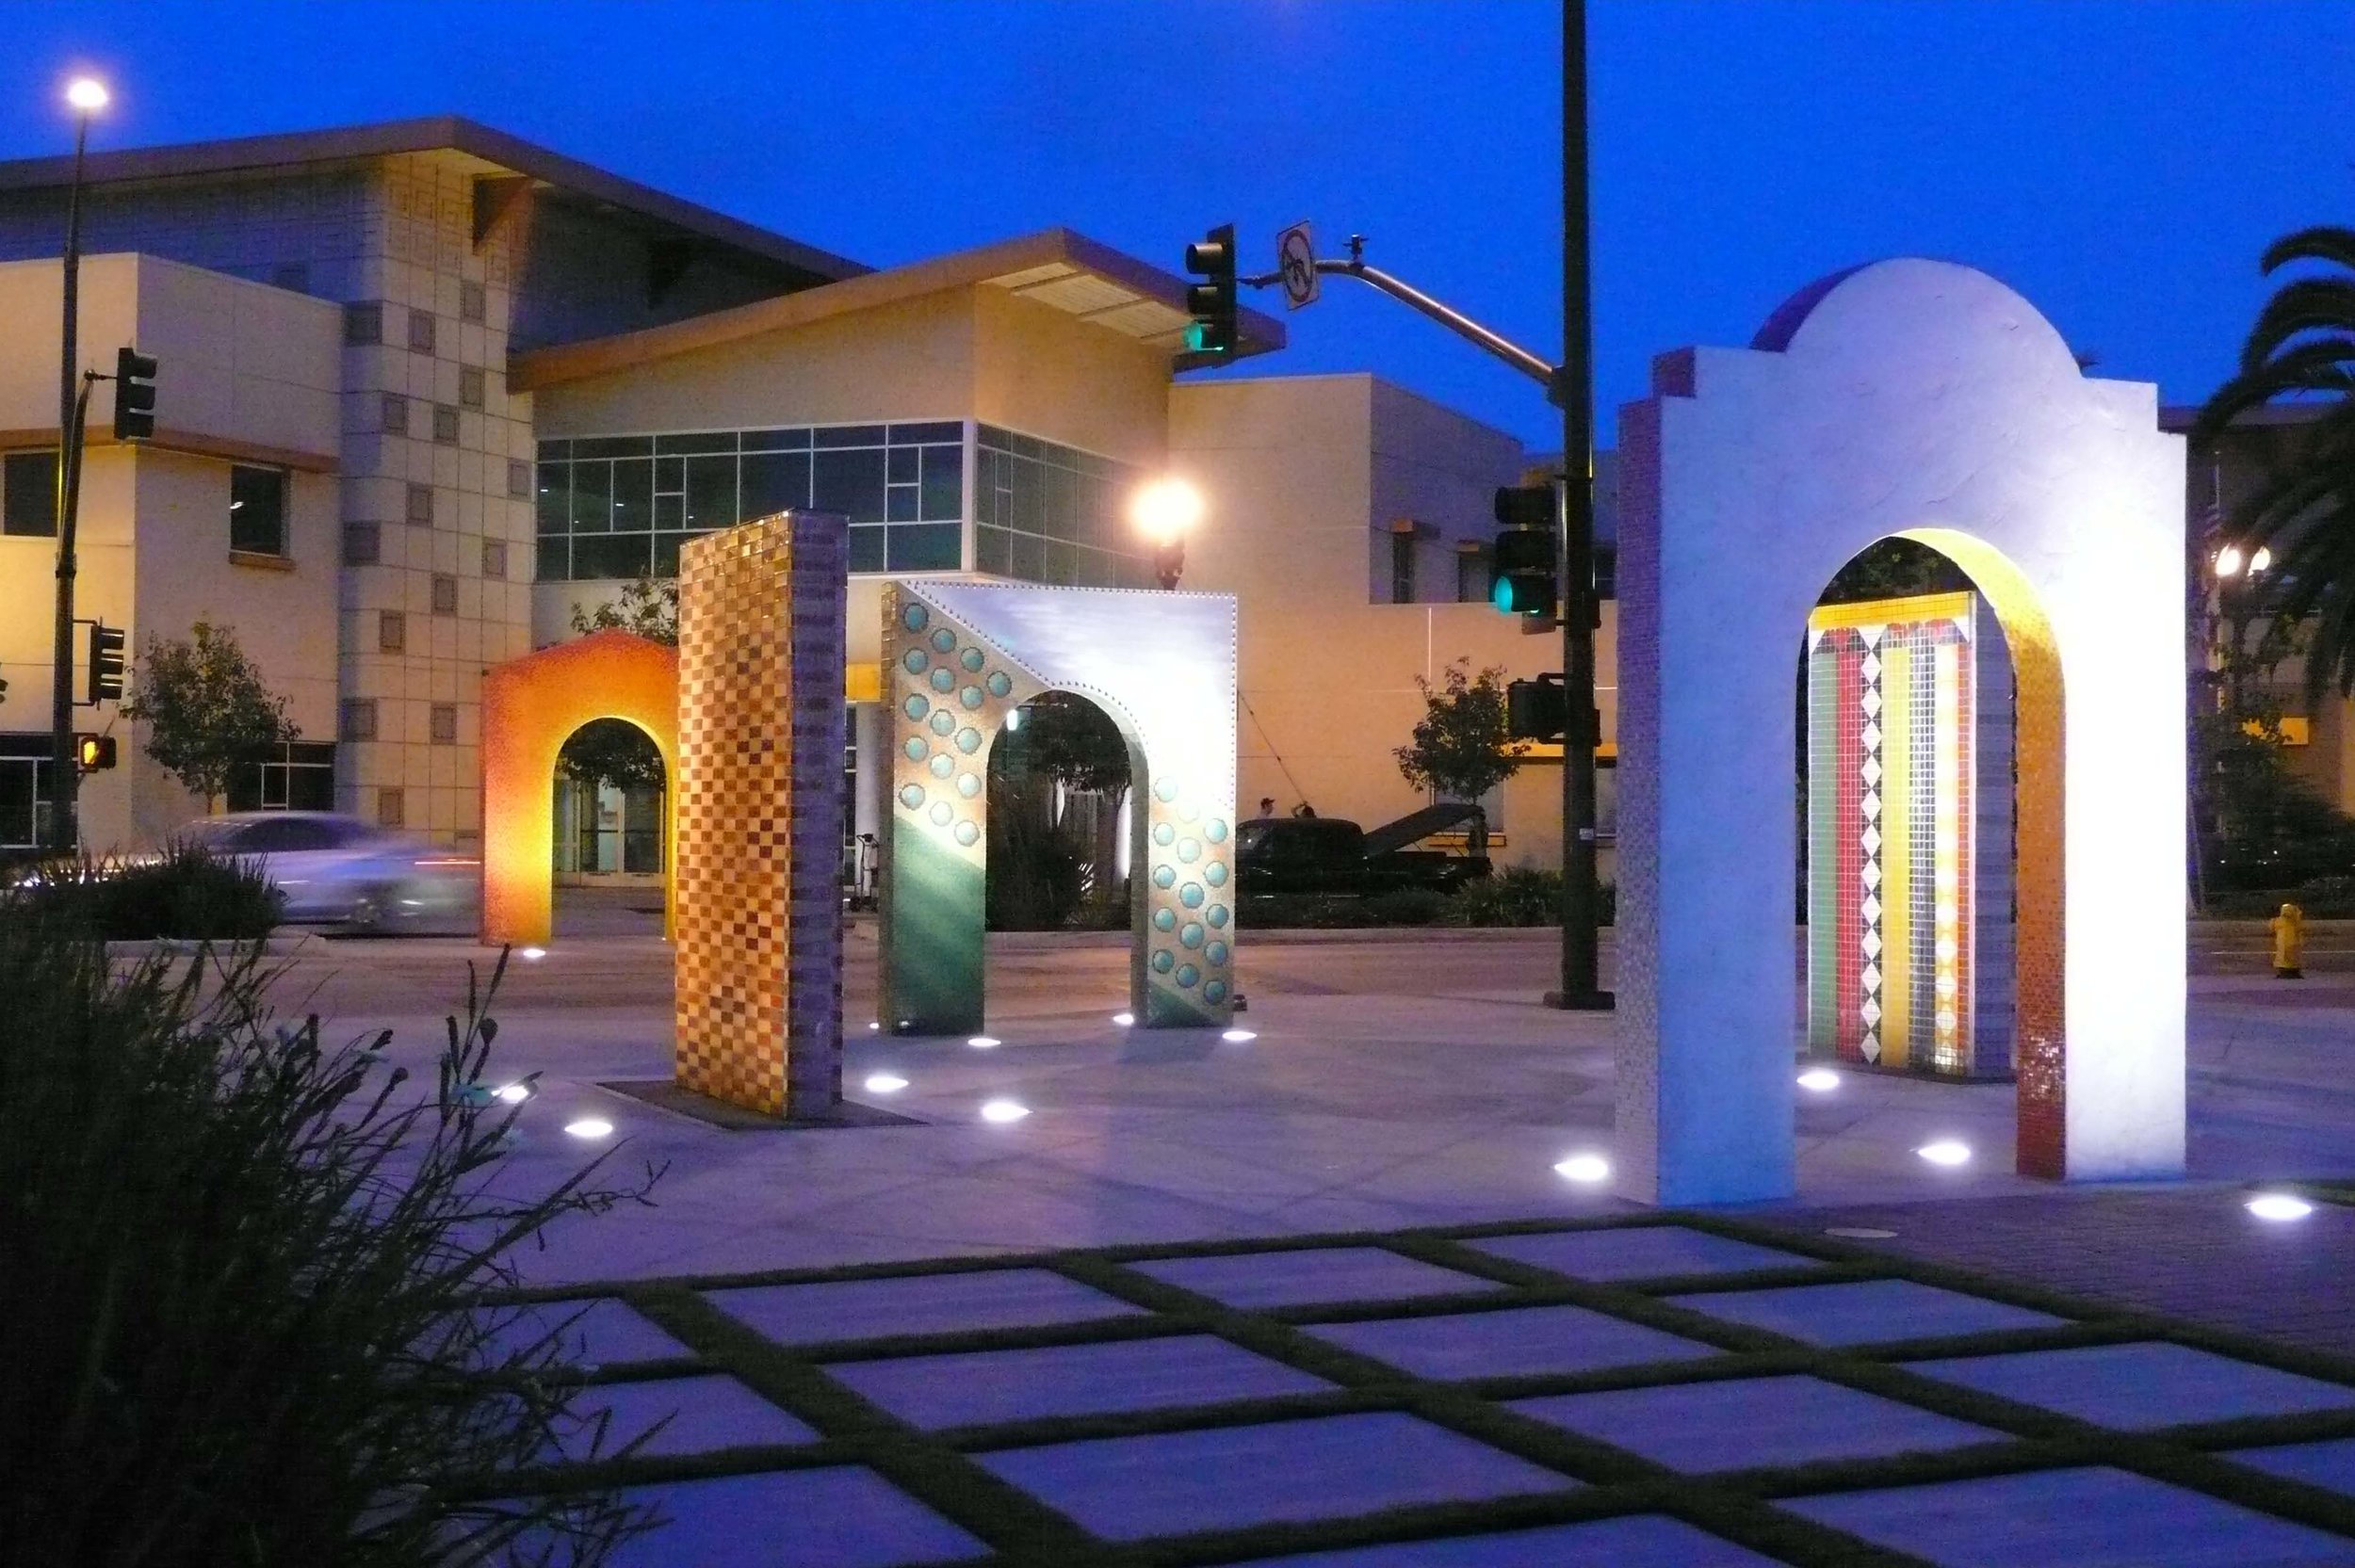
(530, 706)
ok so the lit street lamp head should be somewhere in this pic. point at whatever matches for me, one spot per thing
(1165, 511)
(85, 93)
(2227, 562)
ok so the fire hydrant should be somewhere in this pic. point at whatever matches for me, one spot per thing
(2289, 935)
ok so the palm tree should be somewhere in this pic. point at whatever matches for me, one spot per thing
(2303, 347)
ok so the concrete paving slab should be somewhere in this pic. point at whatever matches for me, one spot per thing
(1309, 1275)
(702, 1414)
(1642, 1541)
(921, 1304)
(2092, 1518)
(840, 1516)
(1510, 1342)
(590, 1331)
(2142, 1386)
(972, 1388)
(1747, 1422)
(2329, 1464)
(1864, 1311)
(1643, 1252)
(1225, 1478)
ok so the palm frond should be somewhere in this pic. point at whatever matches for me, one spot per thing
(2298, 306)
(2324, 243)
(2321, 364)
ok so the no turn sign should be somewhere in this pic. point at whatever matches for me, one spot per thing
(1296, 259)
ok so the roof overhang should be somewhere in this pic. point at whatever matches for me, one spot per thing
(566, 177)
(1054, 267)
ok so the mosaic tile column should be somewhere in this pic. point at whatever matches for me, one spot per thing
(760, 908)
(1902, 791)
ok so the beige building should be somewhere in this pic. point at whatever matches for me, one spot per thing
(501, 385)
(228, 515)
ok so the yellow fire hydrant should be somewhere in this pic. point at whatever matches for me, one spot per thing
(2289, 935)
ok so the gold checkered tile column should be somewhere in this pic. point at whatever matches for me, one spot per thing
(759, 912)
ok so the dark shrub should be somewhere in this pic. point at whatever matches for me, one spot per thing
(235, 1272)
(188, 892)
(1520, 896)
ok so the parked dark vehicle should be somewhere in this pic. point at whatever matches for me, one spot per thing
(1331, 854)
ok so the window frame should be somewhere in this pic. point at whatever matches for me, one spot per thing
(47, 455)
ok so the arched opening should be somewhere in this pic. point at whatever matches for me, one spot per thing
(1060, 786)
(1931, 825)
(611, 807)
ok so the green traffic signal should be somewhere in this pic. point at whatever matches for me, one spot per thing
(1212, 302)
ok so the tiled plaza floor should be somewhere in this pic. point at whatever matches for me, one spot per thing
(1670, 1391)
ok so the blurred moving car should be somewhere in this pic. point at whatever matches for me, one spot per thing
(336, 870)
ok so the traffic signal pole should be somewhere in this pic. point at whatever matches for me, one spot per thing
(1574, 392)
(71, 403)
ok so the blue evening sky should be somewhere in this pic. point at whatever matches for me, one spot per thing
(2121, 162)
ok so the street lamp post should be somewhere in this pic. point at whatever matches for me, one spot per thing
(1165, 511)
(88, 97)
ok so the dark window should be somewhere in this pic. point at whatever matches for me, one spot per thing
(396, 414)
(471, 302)
(359, 718)
(927, 547)
(420, 504)
(849, 435)
(553, 562)
(711, 492)
(518, 480)
(849, 482)
(702, 440)
(611, 555)
(364, 323)
(30, 488)
(444, 725)
(421, 330)
(301, 778)
(392, 632)
(24, 790)
(495, 558)
(1402, 569)
(391, 808)
(774, 482)
(1471, 577)
(944, 483)
(553, 505)
(945, 430)
(444, 424)
(616, 446)
(364, 544)
(592, 499)
(257, 511)
(867, 549)
(445, 594)
(633, 495)
(470, 387)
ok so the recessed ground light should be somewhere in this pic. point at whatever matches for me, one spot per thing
(1238, 1036)
(513, 1093)
(590, 1126)
(1860, 1232)
(885, 1083)
(1004, 1110)
(876, 1025)
(1946, 1151)
(2279, 1206)
(1585, 1167)
(1819, 1080)
(534, 954)
(1124, 1019)
(984, 1041)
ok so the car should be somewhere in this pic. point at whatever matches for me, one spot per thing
(341, 871)
(1327, 856)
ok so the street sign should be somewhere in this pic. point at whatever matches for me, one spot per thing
(1296, 259)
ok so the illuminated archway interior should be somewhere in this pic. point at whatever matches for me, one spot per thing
(530, 706)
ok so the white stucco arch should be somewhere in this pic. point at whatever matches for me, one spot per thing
(1923, 398)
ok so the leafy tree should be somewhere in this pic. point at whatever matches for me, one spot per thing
(1070, 741)
(1894, 569)
(207, 710)
(2302, 347)
(611, 751)
(1462, 747)
(648, 606)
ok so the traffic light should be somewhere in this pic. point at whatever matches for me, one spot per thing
(106, 664)
(1524, 575)
(135, 394)
(1537, 710)
(1211, 302)
(94, 752)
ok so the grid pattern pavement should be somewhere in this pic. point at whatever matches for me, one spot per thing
(1665, 1389)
